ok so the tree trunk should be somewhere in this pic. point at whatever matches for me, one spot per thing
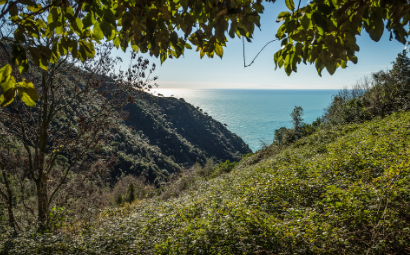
(12, 220)
(9, 198)
(42, 204)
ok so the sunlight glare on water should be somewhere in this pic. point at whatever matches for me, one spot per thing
(255, 114)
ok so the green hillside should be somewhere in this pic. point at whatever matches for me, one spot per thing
(344, 190)
(164, 135)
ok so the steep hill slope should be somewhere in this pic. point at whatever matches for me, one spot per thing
(164, 135)
(338, 191)
(173, 125)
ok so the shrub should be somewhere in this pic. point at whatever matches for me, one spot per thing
(383, 93)
(130, 195)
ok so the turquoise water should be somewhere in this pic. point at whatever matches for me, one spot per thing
(255, 114)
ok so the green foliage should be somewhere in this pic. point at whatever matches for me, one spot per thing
(114, 143)
(321, 32)
(27, 93)
(74, 27)
(324, 32)
(297, 121)
(279, 135)
(7, 85)
(386, 92)
(118, 199)
(351, 197)
(130, 195)
(225, 167)
(284, 136)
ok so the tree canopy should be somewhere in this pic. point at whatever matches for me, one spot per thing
(324, 31)
(161, 28)
(321, 32)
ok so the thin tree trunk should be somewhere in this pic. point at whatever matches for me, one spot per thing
(12, 220)
(42, 204)
(9, 198)
(42, 189)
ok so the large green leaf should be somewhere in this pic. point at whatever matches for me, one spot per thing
(108, 29)
(7, 98)
(86, 50)
(41, 23)
(97, 32)
(331, 66)
(53, 18)
(5, 72)
(77, 25)
(54, 14)
(27, 93)
(7, 85)
(109, 16)
(38, 58)
(320, 22)
(89, 20)
(376, 24)
(34, 8)
(283, 15)
(290, 4)
(306, 22)
(219, 50)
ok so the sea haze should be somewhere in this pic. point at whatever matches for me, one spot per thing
(255, 114)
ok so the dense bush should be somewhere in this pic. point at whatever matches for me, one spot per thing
(383, 93)
(342, 190)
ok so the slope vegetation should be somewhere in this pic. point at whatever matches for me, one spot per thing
(179, 133)
(343, 190)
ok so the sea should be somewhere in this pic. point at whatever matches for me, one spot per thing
(254, 115)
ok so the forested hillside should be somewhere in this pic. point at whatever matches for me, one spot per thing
(159, 135)
(164, 135)
(182, 132)
(343, 190)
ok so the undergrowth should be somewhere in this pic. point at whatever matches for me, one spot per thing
(344, 190)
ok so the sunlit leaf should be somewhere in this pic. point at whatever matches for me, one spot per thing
(34, 8)
(290, 4)
(219, 50)
(97, 32)
(41, 23)
(8, 89)
(5, 72)
(27, 93)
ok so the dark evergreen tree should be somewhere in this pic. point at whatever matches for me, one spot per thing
(130, 195)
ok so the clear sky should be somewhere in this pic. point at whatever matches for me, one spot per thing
(191, 72)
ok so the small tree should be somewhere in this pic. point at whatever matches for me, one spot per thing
(118, 199)
(278, 137)
(130, 194)
(297, 121)
(78, 104)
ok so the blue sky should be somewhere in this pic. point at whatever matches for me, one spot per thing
(191, 72)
